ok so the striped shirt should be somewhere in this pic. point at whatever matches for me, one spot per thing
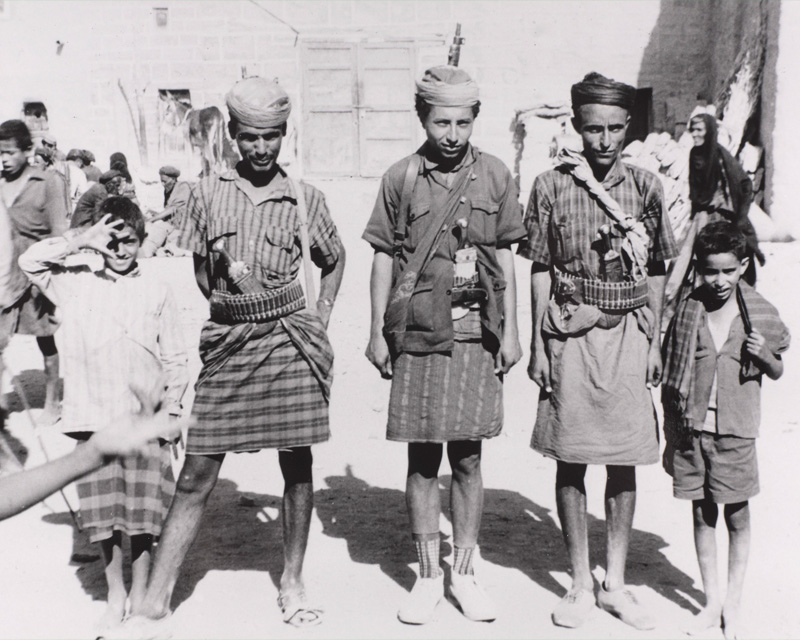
(563, 219)
(116, 331)
(263, 234)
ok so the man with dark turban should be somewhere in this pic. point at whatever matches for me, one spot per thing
(109, 184)
(161, 225)
(444, 324)
(267, 362)
(598, 236)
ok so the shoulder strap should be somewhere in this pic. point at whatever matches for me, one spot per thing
(305, 244)
(401, 222)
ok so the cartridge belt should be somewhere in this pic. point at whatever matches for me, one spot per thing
(606, 296)
(263, 306)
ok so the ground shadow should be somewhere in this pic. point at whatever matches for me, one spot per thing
(13, 454)
(32, 382)
(232, 537)
(373, 522)
(518, 533)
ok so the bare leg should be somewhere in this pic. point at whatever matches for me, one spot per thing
(422, 487)
(298, 503)
(571, 503)
(141, 547)
(705, 514)
(197, 479)
(112, 556)
(737, 517)
(52, 410)
(620, 501)
(466, 492)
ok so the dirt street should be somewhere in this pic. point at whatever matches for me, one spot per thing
(360, 559)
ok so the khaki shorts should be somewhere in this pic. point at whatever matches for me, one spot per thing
(723, 469)
(33, 314)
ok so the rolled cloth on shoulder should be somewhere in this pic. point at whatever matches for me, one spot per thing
(448, 86)
(597, 89)
(257, 102)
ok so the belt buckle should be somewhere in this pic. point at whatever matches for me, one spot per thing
(565, 288)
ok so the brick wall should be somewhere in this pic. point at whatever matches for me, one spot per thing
(521, 53)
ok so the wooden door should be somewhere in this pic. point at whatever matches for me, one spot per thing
(330, 114)
(386, 105)
(358, 107)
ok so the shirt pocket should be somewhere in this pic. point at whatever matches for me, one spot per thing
(418, 223)
(483, 221)
(274, 251)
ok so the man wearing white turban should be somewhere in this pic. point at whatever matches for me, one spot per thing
(444, 325)
(267, 362)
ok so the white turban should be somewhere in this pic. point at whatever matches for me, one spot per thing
(258, 102)
(447, 86)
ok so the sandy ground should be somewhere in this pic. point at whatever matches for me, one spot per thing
(360, 559)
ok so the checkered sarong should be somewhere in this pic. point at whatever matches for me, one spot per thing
(262, 394)
(131, 495)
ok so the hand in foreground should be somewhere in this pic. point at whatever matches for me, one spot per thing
(539, 369)
(378, 354)
(510, 353)
(757, 348)
(131, 434)
(654, 368)
(100, 235)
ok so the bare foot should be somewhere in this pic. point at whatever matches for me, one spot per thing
(112, 616)
(49, 416)
(730, 625)
(707, 618)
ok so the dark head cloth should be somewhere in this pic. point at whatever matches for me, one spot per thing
(75, 154)
(169, 170)
(88, 156)
(597, 89)
(108, 176)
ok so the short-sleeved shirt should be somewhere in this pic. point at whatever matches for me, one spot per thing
(264, 235)
(491, 206)
(738, 399)
(563, 219)
(39, 211)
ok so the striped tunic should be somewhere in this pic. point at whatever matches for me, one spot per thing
(259, 387)
(117, 331)
(600, 410)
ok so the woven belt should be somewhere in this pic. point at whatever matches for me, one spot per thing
(270, 304)
(606, 296)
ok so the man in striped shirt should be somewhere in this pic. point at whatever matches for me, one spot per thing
(267, 362)
(596, 357)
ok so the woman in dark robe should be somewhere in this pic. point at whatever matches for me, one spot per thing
(719, 186)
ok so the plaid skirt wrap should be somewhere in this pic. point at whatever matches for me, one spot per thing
(262, 385)
(130, 494)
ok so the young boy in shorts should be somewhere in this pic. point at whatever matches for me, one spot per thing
(723, 338)
(120, 331)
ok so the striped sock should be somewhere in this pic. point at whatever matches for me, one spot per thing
(462, 562)
(427, 546)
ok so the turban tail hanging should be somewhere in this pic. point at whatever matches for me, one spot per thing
(257, 102)
(597, 89)
(448, 86)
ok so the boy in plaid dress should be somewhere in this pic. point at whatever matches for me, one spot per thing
(120, 331)
(723, 338)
